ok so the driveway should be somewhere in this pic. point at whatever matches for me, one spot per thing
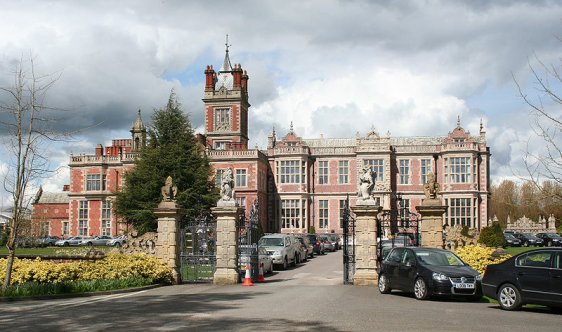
(309, 297)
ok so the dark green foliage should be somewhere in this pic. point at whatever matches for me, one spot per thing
(311, 230)
(492, 236)
(171, 151)
(3, 239)
(82, 286)
(464, 232)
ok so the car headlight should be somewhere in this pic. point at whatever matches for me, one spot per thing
(478, 277)
(440, 276)
(277, 253)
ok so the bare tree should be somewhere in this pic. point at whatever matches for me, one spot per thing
(25, 120)
(545, 164)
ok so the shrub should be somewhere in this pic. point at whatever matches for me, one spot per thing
(311, 230)
(492, 236)
(113, 266)
(479, 257)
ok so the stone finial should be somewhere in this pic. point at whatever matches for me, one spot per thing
(169, 190)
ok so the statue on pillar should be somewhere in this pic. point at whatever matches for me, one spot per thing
(366, 183)
(169, 190)
(227, 186)
(431, 187)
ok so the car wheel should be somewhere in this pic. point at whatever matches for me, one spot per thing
(117, 244)
(285, 263)
(525, 244)
(549, 244)
(421, 292)
(509, 297)
(66, 244)
(384, 284)
(90, 244)
(296, 260)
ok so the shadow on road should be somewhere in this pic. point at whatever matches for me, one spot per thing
(176, 312)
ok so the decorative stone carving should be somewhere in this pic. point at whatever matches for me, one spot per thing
(431, 187)
(454, 238)
(227, 186)
(169, 190)
(145, 244)
(526, 225)
(366, 184)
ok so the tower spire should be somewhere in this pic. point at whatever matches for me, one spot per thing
(226, 66)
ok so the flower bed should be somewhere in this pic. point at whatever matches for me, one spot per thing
(479, 257)
(113, 266)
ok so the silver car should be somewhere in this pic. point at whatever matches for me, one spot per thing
(71, 241)
(96, 240)
(117, 241)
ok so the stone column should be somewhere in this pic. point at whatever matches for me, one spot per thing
(366, 244)
(227, 244)
(431, 229)
(168, 245)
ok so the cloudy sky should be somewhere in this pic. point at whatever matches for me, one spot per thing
(332, 67)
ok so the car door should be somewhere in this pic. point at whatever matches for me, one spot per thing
(556, 277)
(392, 266)
(407, 270)
(533, 274)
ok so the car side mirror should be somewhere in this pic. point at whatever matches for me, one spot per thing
(410, 264)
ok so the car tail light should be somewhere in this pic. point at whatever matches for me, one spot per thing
(317, 243)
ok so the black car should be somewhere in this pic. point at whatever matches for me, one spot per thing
(427, 272)
(511, 240)
(550, 239)
(531, 277)
(528, 239)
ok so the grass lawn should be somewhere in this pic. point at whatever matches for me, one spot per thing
(517, 250)
(55, 251)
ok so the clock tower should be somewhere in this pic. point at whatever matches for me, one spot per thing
(226, 106)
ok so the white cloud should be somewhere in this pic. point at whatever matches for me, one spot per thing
(332, 67)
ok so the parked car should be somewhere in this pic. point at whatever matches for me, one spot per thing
(263, 258)
(411, 236)
(532, 277)
(117, 241)
(385, 246)
(47, 241)
(336, 240)
(71, 241)
(302, 249)
(427, 272)
(316, 244)
(550, 239)
(328, 244)
(282, 248)
(403, 239)
(96, 240)
(528, 239)
(511, 240)
(306, 243)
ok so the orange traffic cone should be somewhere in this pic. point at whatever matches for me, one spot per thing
(260, 276)
(248, 277)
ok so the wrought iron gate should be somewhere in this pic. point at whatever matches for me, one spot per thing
(250, 233)
(389, 227)
(198, 249)
(348, 245)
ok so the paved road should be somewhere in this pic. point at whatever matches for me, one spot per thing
(310, 297)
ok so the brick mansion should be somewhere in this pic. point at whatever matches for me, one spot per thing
(298, 182)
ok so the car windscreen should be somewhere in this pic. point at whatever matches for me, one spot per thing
(440, 258)
(271, 241)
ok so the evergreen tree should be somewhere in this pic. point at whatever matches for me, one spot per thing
(492, 236)
(172, 150)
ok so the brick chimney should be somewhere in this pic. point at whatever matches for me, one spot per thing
(99, 150)
(237, 76)
(210, 79)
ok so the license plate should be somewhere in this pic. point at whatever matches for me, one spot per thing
(464, 286)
